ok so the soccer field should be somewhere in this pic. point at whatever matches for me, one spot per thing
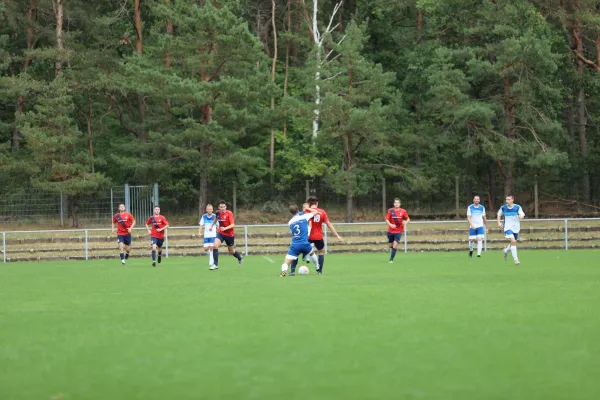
(430, 326)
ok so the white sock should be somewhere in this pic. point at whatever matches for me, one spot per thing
(513, 250)
(315, 260)
(470, 246)
(211, 259)
(283, 267)
(507, 249)
(479, 247)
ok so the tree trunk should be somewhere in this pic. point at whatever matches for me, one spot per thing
(349, 201)
(273, 68)
(581, 118)
(509, 120)
(74, 206)
(206, 151)
(138, 27)
(287, 60)
(88, 120)
(16, 137)
(57, 7)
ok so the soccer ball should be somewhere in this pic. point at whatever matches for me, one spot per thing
(303, 270)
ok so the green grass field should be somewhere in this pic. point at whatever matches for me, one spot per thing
(430, 326)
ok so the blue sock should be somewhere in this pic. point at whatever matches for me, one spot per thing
(153, 255)
(216, 256)
(293, 267)
(122, 256)
(321, 262)
(393, 254)
(237, 255)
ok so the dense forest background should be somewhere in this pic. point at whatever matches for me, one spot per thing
(204, 96)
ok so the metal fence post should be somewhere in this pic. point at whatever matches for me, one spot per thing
(155, 195)
(325, 237)
(485, 240)
(167, 244)
(566, 234)
(127, 198)
(4, 246)
(405, 240)
(246, 239)
(62, 218)
(86, 244)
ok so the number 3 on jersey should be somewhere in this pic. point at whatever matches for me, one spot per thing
(296, 230)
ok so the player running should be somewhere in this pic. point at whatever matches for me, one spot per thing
(478, 226)
(210, 234)
(513, 214)
(157, 234)
(396, 219)
(315, 236)
(300, 244)
(125, 223)
(225, 233)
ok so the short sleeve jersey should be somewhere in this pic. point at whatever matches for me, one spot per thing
(316, 230)
(158, 223)
(299, 228)
(226, 219)
(207, 222)
(476, 214)
(123, 221)
(396, 217)
(512, 222)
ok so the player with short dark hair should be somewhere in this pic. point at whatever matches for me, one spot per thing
(225, 233)
(513, 214)
(159, 224)
(315, 236)
(477, 225)
(300, 244)
(125, 223)
(396, 219)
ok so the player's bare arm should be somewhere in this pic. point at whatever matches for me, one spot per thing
(163, 228)
(131, 227)
(113, 227)
(200, 230)
(500, 224)
(393, 226)
(485, 223)
(148, 229)
(332, 229)
(470, 222)
(406, 221)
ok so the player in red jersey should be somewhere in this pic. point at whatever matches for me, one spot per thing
(125, 223)
(156, 226)
(315, 235)
(226, 233)
(396, 219)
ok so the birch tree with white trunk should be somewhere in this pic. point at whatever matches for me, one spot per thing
(321, 59)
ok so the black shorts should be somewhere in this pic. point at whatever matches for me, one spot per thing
(158, 242)
(394, 237)
(228, 240)
(319, 244)
(125, 239)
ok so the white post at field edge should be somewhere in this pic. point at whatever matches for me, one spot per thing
(246, 239)
(167, 244)
(405, 240)
(325, 237)
(566, 234)
(4, 246)
(86, 244)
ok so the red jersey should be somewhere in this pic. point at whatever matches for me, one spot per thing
(396, 217)
(316, 230)
(226, 219)
(127, 220)
(159, 222)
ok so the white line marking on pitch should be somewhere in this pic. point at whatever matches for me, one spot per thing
(269, 259)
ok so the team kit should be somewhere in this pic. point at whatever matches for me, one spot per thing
(306, 228)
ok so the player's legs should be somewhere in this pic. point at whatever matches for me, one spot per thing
(216, 246)
(513, 248)
(230, 241)
(480, 235)
(159, 244)
(319, 245)
(290, 257)
(154, 249)
(393, 240)
(314, 258)
(121, 250)
(472, 237)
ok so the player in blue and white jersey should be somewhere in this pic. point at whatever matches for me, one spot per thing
(210, 233)
(299, 228)
(477, 225)
(513, 214)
